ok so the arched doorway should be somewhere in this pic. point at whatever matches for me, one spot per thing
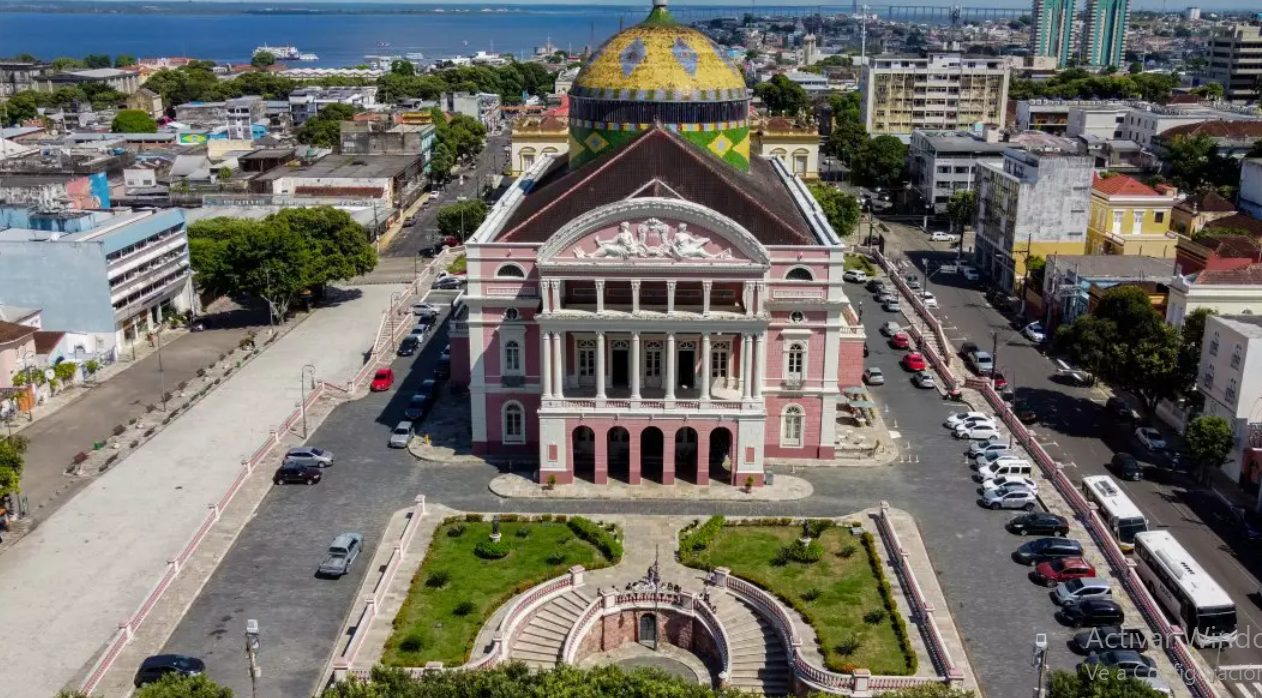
(648, 630)
(618, 453)
(686, 454)
(721, 453)
(651, 453)
(584, 448)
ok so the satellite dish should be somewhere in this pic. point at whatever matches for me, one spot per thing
(49, 374)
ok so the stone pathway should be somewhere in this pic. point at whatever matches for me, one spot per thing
(785, 488)
(759, 662)
(539, 644)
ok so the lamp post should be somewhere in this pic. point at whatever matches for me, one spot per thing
(393, 296)
(1040, 662)
(162, 382)
(460, 199)
(252, 653)
(302, 386)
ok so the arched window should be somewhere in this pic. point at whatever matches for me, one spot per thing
(791, 423)
(527, 156)
(796, 360)
(781, 154)
(1213, 345)
(513, 424)
(799, 274)
(512, 314)
(512, 357)
(510, 271)
(549, 151)
(801, 159)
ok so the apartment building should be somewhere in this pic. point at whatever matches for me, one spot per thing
(306, 102)
(1145, 122)
(1052, 33)
(18, 76)
(1104, 32)
(1035, 203)
(940, 91)
(1235, 61)
(941, 163)
(1229, 375)
(1053, 115)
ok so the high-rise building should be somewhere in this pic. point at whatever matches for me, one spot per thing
(1235, 61)
(941, 91)
(1104, 34)
(1053, 30)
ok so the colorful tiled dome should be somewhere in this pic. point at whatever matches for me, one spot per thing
(659, 71)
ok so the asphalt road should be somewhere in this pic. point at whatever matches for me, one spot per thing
(468, 182)
(1077, 431)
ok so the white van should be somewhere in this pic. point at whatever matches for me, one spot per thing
(1020, 468)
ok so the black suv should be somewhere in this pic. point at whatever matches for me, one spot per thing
(1045, 549)
(1126, 467)
(154, 668)
(876, 285)
(408, 346)
(1090, 613)
(1039, 524)
(301, 474)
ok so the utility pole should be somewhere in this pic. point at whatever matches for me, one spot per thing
(1040, 662)
(252, 652)
(162, 380)
(302, 386)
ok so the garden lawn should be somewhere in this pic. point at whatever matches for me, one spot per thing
(459, 265)
(847, 587)
(428, 628)
(858, 261)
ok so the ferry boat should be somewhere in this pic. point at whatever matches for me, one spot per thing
(414, 56)
(308, 57)
(282, 53)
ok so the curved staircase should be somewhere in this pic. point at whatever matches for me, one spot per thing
(538, 644)
(759, 662)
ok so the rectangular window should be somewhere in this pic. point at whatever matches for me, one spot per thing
(586, 362)
(1159, 216)
(718, 365)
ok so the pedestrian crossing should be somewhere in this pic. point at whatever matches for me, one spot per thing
(1243, 681)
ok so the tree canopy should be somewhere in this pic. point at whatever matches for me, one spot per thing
(133, 121)
(962, 209)
(882, 162)
(177, 686)
(782, 96)
(324, 130)
(1195, 163)
(1209, 440)
(12, 460)
(279, 257)
(460, 219)
(1076, 83)
(262, 59)
(1103, 684)
(841, 209)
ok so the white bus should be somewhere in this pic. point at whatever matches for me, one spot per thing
(1118, 511)
(1206, 612)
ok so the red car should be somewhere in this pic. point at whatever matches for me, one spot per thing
(914, 361)
(1053, 572)
(900, 340)
(383, 380)
(1000, 381)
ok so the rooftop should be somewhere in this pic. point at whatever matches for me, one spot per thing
(1098, 267)
(46, 341)
(1121, 185)
(1206, 202)
(961, 142)
(1237, 221)
(16, 313)
(1237, 130)
(1245, 276)
(100, 73)
(1248, 325)
(347, 167)
(12, 332)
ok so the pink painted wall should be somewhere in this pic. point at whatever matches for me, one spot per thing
(812, 406)
(850, 368)
(495, 424)
(460, 370)
(814, 364)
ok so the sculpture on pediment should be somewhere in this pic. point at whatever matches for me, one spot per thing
(622, 246)
(677, 244)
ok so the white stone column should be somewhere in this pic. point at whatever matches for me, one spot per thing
(554, 289)
(705, 362)
(760, 362)
(635, 296)
(670, 365)
(558, 368)
(635, 364)
(747, 365)
(670, 296)
(600, 365)
(761, 287)
(545, 363)
(706, 287)
(600, 295)
(747, 296)
(545, 292)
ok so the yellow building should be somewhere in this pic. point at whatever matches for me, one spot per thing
(794, 143)
(1130, 217)
(535, 137)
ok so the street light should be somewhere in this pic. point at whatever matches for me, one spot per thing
(252, 652)
(302, 386)
(397, 295)
(1040, 661)
(162, 382)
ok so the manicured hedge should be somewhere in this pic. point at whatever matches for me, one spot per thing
(703, 536)
(590, 531)
(887, 595)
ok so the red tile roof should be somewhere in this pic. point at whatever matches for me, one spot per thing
(366, 192)
(1217, 129)
(1206, 202)
(1121, 185)
(12, 332)
(1237, 221)
(46, 341)
(1184, 99)
(1246, 276)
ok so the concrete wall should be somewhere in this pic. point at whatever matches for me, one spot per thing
(1250, 200)
(39, 274)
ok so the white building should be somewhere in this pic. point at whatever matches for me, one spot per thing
(943, 162)
(1103, 121)
(483, 106)
(1143, 123)
(940, 91)
(1225, 291)
(1250, 198)
(1230, 377)
(306, 102)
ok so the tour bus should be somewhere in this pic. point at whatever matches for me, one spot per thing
(1192, 598)
(1118, 511)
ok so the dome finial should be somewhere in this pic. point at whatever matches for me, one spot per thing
(659, 3)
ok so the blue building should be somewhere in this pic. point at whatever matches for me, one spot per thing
(104, 278)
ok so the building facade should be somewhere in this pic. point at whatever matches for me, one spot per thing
(942, 91)
(535, 137)
(1129, 217)
(1104, 32)
(1070, 281)
(654, 311)
(1250, 198)
(1229, 375)
(1052, 33)
(306, 102)
(1232, 291)
(941, 163)
(794, 143)
(18, 76)
(1235, 61)
(1035, 203)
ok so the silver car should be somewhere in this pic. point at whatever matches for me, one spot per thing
(1009, 497)
(401, 436)
(342, 553)
(873, 376)
(310, 456)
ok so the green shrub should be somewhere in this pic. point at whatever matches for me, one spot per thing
(810, 594)
(561, 518)
(413, 642)
(818, 526)
(438, 579)
(545, 517)
(590, 531)
(473, 518)
(875, 616)
(849, 645)
(456, 531)
(509, 518)
(491, 549)
(847, 551)
(464, 608)
(523, 532)
(702, 536)
(807, 554)
(782, 557)
(891, 606)
(557, 558)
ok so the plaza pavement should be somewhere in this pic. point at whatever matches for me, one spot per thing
(65, 587)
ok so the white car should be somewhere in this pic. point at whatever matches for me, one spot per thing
(873, 376)
(890, 329)
(975, 422)
(995, 483)
(939, 236)
(855, 275)
(1012, 497)
(982, 447)
(1150, 438)
(970, 274)
(1034, 332)
(958, 418)
(425, 310)
(930, 300)
(924, 379)
(981, 430)
(892, 306)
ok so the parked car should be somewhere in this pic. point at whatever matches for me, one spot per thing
(875, 285)
(409, 346)
(873, 376)
(892, 306)
(1044, 549)
(970, 274)
(159, 665)
(1040, 523)
(1025, 414)
(914, 361)
(890, 329)
(913, 282)
(885, 294)
(1009, 497)
(900, 340)
(1005, 466)
(1121, 409)
(1034, 332)
(294, 473)
(442, 368)
(1124, 661)
(1110, 637)
(382, 380)
(997, 379)
(985, 420)
(924, 379)
(342, 553)
(1054, 572)
(980, 431)
(981, 363)
(978, 448)
(419, 331)
(425, 310)
(402, 435)
(449, 283)
(958, 418)
(929, 300)
(939, 236)
(1126, 467)
(995, 483)
(1076, 590)
(855, 275)
(309, 455)
(1091, 613)
(982, 460)
(1150, 438)
(418, 405)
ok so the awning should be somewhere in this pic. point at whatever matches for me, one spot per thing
(867, 404)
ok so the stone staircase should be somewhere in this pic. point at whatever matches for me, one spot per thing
(538, 644)
(759, 661)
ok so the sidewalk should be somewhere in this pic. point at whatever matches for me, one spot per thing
(65, 586)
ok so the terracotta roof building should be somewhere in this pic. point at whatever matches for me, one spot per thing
(1194, 212)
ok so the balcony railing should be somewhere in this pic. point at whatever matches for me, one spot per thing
(512, 381)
